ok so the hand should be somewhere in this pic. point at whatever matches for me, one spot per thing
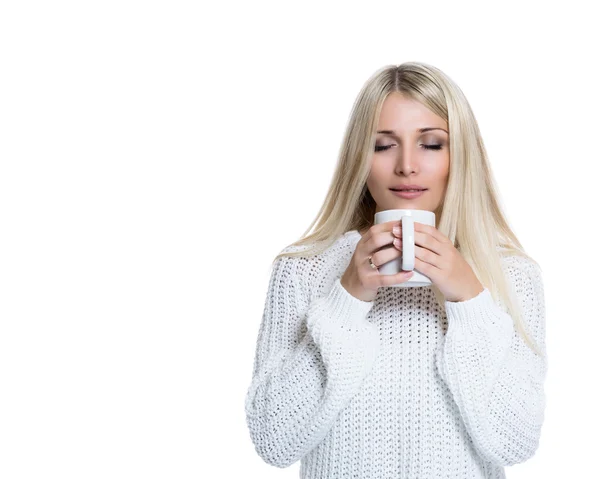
(360, 279)
(438, 259)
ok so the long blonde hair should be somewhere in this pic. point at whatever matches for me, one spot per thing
(471, 189)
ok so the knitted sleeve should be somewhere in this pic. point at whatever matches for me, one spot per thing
(311, 359)
(496, 380)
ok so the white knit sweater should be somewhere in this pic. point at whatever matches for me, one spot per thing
(394, 388)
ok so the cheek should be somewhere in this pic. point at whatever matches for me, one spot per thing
(445, 167)
(377, 174)
(382, 167)
(439, 170)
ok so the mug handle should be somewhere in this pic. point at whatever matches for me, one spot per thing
(408, 243)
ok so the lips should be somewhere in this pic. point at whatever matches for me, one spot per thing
(404, 187)
(409, 195)
(408, 189)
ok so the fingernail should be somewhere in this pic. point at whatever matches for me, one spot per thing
(397, 242)
(396, 230)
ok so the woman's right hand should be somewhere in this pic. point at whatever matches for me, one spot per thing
(360, 279)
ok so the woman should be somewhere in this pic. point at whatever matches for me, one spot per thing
(357, 378)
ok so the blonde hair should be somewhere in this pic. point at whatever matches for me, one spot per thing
(471, 190)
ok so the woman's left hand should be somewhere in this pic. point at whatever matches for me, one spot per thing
(438, 259)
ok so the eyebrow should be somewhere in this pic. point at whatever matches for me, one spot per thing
(420, 130)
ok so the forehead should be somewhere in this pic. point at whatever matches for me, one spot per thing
(400, 113)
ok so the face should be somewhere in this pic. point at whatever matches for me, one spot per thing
(404, 155)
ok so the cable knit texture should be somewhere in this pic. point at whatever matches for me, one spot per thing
(394, 388)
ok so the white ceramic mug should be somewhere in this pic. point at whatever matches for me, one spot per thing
(406, 261)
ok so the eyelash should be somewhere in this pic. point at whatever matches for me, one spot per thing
(427, 147)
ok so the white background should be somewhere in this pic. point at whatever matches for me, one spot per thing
(156, 156)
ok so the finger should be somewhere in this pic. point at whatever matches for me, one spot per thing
(385, 255)
(427, 242)
(377, 241)
(428, 257)
(391, 279)
(388, 226)
(433, 232)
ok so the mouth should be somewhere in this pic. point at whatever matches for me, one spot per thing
(406, 189)
(408, 194)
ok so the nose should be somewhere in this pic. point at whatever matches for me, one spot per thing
(407, 161)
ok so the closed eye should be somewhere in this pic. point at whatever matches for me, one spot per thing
(427, 147)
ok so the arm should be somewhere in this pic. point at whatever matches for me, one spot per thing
(304, 376)
(496, 380)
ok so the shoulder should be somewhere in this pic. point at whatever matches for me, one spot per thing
(324, 250)
(519, 265)
(525, 276)
(316, 265)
